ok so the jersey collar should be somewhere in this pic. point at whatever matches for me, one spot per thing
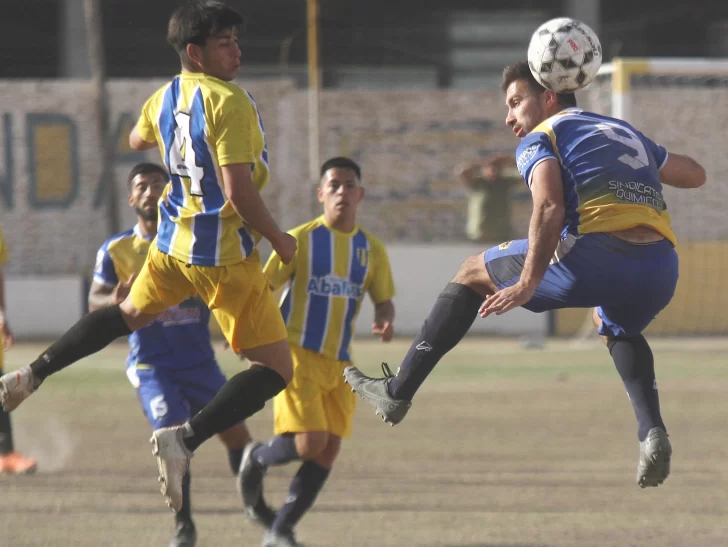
(138, 232)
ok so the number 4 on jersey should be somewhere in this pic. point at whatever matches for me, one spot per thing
(182, 160)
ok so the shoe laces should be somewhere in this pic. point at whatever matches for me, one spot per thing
(387, 371)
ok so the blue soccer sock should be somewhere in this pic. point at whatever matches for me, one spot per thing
(278, 451)
(304, 488)
(634, 361)
(234, 458)
(450, 319)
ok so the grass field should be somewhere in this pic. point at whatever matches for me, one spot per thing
(503, 447)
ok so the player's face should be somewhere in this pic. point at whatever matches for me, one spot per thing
(340, 193)
(221, 55)
(144, 194)
(526, 108)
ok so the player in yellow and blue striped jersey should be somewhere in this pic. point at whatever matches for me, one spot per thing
(212, 141)
(337, 263)
(171, 362)
(599, 237)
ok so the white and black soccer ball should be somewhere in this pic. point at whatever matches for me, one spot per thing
(564, 55)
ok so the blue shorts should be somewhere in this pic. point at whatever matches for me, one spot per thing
(628, 283)
(171, 396)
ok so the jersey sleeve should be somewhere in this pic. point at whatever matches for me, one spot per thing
(533, 149)
(658, 151)
(4, 255)
(105, 271)
(382, 286)
(237, 122)
(144, 126)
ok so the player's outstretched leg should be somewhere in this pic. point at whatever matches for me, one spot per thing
(243, 395)
(635, 363)
(449, 320)
(90, 334)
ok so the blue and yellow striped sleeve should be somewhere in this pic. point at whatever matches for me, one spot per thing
(533, 149)
(105, 270)
(149, 114)
(235, 129)
(382, 285)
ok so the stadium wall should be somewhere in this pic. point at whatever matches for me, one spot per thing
(52, 197)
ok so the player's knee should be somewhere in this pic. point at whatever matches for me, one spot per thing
(473, 274)
(311, 445)
(327, 458)
(134, 318)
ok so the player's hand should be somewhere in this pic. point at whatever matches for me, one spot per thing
(8, 338)
(383, 329)
(285, 246)
(121, 291)
(506, 299)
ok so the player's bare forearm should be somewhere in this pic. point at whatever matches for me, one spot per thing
(247, 201)
(100, 296)
(383, 325)
(547, 221)
(682, 172)
(384, 312)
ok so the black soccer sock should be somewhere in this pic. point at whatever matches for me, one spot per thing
(234, 458)
(242, 396)
(6, 434)
(278, 451)
(634, 361)
(305, 486)
(450, 319)
(185, 513)
(92, 333)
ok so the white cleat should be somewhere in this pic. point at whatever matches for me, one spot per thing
(16, 387)
(173, 460)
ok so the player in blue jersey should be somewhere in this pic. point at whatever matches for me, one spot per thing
(171, 362)
(337, 264)
(211, 216)
(599, 237)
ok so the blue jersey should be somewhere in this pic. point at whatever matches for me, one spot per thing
(180, 336)
(610, 172)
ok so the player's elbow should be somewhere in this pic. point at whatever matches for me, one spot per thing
(698, 176)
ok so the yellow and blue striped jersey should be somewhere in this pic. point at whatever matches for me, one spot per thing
(200, 124)
(180, 336)
(325, 284)
(610, 172)
(4, 255)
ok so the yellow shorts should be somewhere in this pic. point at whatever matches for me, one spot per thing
(238, 296)
(317, 399)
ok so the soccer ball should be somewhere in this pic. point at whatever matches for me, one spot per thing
(564, 55)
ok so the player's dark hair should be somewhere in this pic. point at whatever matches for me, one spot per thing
(196, 21)
(147, 168)
(341, 163)
(521, 71)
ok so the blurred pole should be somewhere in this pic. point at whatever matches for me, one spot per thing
(586, 11)
(314, 85)
(94, 33)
